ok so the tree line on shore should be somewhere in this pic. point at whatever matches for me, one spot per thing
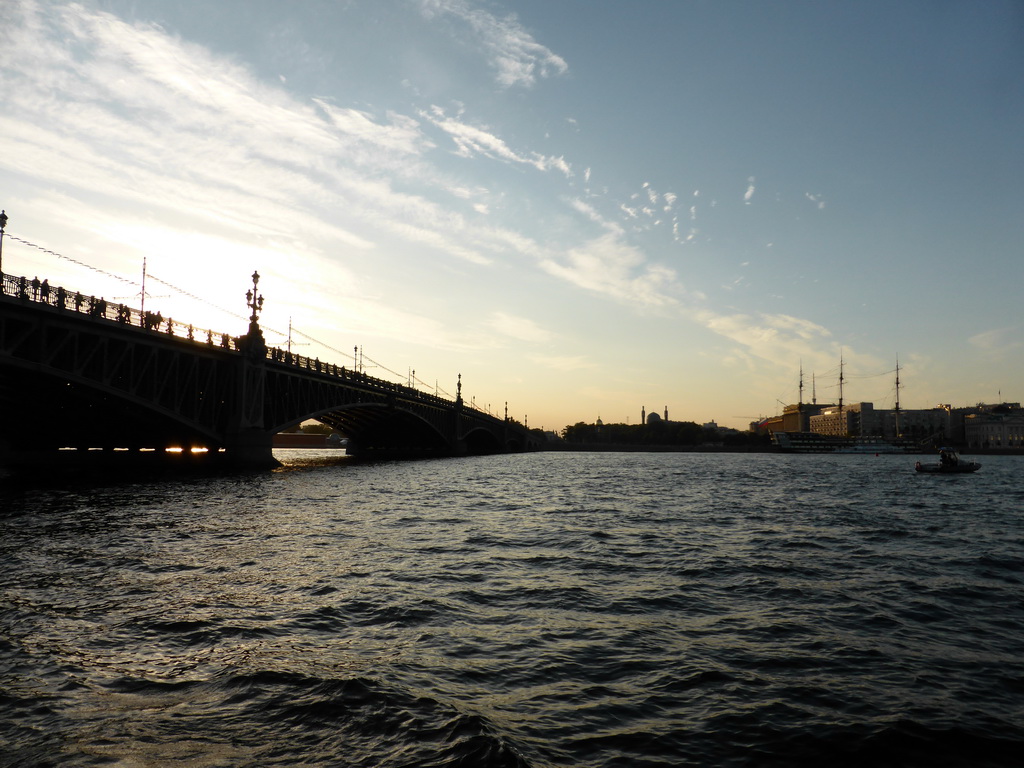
(660, 433)
(681, 433)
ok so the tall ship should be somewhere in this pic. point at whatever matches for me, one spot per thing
(856, 428)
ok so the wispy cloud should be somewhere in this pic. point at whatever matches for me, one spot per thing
(471, 141)
(401, 135)
(589, 211)
(771, 337)
(518, 59)
(148, 120)
(998, 340)
(749, 194)
(816, 199)
(521, 328)
(609, 266)
(764, 330)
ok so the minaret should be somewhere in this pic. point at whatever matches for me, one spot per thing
(666, 413)
(643, 414)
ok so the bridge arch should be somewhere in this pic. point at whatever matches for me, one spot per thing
(378, 429)
(481, 442)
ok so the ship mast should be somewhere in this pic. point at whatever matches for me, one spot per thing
(897, 397)
(800, 400)
(840, 382)
(841, 424)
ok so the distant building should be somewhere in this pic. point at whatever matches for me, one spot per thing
(1000, 427)
(652, 417)
(863, 420)
(797, 418)
(980, 426)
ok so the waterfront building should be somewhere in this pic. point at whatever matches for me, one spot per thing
(797, 418)
(980, 426)
(864, 420)
(1001, 427)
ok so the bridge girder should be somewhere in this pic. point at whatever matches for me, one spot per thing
(102, 380)
(79, 385)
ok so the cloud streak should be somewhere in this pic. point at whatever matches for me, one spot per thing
(610, 267)
(519, 328)
(472, 141)
(512, 52)
(143, 118)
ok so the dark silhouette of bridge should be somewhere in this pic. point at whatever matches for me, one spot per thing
(81, 373)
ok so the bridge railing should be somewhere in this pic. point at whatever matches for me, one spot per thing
(350, 375)
(73, 301)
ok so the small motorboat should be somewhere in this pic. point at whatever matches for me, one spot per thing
(950, 463)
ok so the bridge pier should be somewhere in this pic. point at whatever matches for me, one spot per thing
(248, 442)
(251, 448)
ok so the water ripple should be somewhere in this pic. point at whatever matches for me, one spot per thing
(585, 610)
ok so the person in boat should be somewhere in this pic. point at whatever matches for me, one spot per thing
(947, 458)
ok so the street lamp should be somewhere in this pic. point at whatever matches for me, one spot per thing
(254, 302)
(3, 223)
(254, 344)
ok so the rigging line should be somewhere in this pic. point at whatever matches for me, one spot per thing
(119, 277)
(373, 363)
(427, 387)
(200, 300)
(383, 367)
(870, 375)
(297, 332)
(188, 294)
(73, 261)
(208, 303)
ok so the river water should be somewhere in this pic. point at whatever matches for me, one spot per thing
(551, 609)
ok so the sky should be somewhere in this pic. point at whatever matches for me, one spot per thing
(583, 208)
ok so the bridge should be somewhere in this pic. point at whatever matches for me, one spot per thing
(81, 374)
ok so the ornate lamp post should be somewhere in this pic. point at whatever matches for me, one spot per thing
(3, 223)
(254, 339)
(254, 302)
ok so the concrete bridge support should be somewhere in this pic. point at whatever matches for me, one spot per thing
(247, 441)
